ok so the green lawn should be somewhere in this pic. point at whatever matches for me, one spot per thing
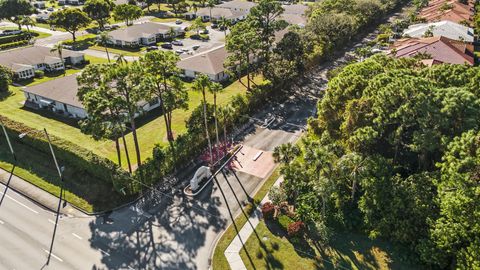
(119, 51)
(272, 250)
(219, 260)
(151, 131)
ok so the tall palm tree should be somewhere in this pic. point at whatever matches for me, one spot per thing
(211, 4)
(28, 22)
(103, 39)
(224, 23)
(215, 88)
(58, 48)
(226, 114)
(202, 84)
(120, 59)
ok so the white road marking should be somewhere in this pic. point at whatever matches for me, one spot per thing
(51, 221)
(20, 203)
(104, 252)
(53, 255)
(77, 236)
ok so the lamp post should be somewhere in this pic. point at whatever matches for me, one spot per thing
(14, 161)
(60, 174)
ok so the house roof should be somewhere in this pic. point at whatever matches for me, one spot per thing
(63, 90)
(237, 4)
(294, 19)
(221, 12)
(457, 12)
(209, 62)
(441, 49)
(298, 9)
(32, 56)
(136, 31)
(443, 28)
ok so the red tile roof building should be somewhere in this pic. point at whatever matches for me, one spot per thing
(439, 49)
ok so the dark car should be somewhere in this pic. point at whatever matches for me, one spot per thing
(167, 45)
(214, 25)
(152, 48)
(177, 43)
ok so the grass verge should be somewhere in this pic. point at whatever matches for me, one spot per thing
(219, 260)
(273, 250)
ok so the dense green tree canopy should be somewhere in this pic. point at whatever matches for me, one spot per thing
(5, 78)
(14, 10)
(395, 152)
(70, 19)
(99, 11)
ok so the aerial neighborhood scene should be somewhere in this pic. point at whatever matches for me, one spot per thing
(235, 134)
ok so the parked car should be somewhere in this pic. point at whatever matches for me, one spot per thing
(214, 25)
(178, 21)
(152, 48)
(167, 46)
(204, 31)
(177, 43)
(179, 51)
(195, 47)
(185, 50)
(50, 9)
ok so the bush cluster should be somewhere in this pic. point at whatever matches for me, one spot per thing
(13, 44)
(295, 229)
(268, 210)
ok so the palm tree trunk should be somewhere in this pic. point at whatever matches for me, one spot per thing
(106, 51)
(206, 125)
(216, 121)
(117, 146)
(135, 140)
(126, 153)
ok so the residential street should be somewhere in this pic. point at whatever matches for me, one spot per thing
(175, 232)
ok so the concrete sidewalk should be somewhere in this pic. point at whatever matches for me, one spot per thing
(36, 194)
(232, 253)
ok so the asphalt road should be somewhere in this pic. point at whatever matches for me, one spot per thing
(169, 231)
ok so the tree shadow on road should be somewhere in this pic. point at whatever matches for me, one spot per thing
(169, 236)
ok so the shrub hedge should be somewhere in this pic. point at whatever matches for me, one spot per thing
(70, 154)
(13, 44)
(14, 38)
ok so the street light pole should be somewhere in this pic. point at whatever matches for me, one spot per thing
(60, 174)
(14, 162)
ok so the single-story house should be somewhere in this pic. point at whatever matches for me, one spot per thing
(443, 28)
(122, 2)
(60, 96)
(217, 14)
(23, 62)
(298, 9)
(448, 10)
(71, 2)
(147, 33)
(209, 63)
(435, 50)
(38, 4)
(238, 5)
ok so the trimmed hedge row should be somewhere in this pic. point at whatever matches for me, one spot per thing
(13, 44)
(14, 38)
(70, 154)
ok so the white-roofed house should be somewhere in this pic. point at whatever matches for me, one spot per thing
(23, 62)
(147, 33)
(209, 63)
(447, 29)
